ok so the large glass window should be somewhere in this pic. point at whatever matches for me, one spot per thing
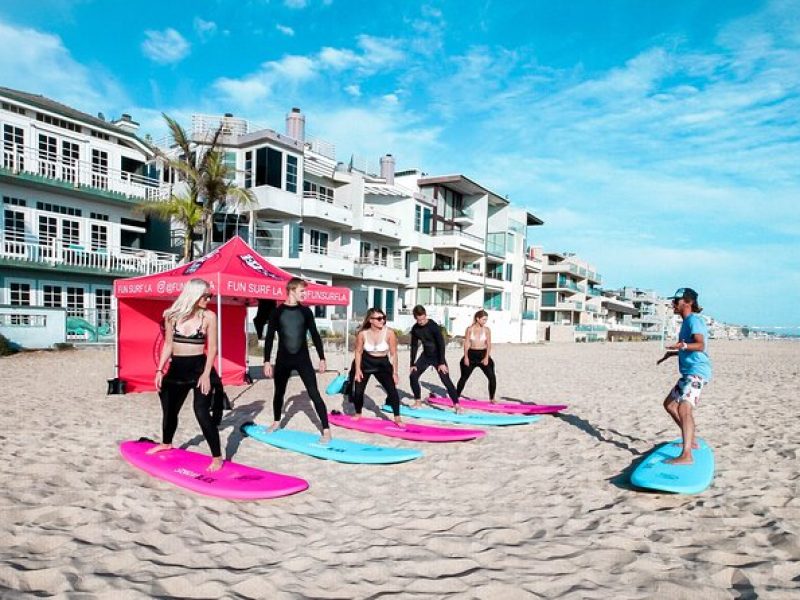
(291, 173)
(261, 167)
(99, 237)
(70, 233)
(318, 242)
(102, 304)
(14, 231)
(75, 302)
(274, 168)
(248, 169)
(269, 238)
(19, 295)
(48, 232)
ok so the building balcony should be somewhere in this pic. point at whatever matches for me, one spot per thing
(458, 240)
(464, 216)
(55, 254)
(380, 223)
(533, 264)
(379, 269)
(320, 207)
(530, 315)
(27, 164)
(571, 306)
(450, 277)
(320, 258)
(278, 202)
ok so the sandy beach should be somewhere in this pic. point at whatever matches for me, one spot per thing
(541, 511)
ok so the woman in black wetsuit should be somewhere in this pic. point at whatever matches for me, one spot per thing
(190, 346)
(376, 354)
(293, 322)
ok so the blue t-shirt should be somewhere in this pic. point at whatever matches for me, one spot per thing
(694, 362)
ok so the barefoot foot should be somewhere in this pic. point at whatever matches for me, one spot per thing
(325, 438)
(680, 460)
(159, 448)
(695, 445)
(274, 427)
(216, 464)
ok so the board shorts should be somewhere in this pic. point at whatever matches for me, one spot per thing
(688, 389)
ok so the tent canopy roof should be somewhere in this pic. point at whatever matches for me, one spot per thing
(235, 272)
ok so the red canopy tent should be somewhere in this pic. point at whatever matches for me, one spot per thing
(238, 277)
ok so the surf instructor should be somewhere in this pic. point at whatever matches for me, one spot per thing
(694, 366)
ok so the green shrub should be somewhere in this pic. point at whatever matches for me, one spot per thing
(7, 347)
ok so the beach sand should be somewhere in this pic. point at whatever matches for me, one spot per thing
(526, 512)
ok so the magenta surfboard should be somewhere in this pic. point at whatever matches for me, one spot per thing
(408, 431)
(187, 469)
(509, 408)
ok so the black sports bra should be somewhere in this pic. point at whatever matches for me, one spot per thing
(198, 337)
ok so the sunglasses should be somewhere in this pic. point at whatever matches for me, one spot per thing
(207, 296)
(377, 318)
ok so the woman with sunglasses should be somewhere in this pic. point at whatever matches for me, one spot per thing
(190, 346)
(376, 354)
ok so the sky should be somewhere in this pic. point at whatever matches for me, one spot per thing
(659, 141)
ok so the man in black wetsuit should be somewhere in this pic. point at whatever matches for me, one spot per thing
(293, 322)
(427, 332)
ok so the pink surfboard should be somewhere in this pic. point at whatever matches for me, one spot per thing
(509, 408)
(187, 469)
(408, 431)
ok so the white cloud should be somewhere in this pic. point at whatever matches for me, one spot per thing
(165, 47)
(285, 30)
(39, 63)
(353, 90)
(204, 29)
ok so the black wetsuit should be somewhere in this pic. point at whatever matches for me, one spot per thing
(381, 367)
(474, 359)
(182, 376)
(293, 324)
(432, 356)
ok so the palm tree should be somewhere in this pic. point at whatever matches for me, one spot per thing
(209, 180)
(181, 209)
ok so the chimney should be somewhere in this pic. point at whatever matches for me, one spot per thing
(296, 125)
(387, 168)
(126, 123)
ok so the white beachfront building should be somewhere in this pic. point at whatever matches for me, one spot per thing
(69, 184)
(394, 238)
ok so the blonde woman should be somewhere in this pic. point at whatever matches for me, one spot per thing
(477, 353)
(376, 354)
(190, 346)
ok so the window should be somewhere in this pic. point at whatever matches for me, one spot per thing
(75, 302)
(291, 173)
(366, 252)
(417, 218)
(56, 208)
(102, 304)
(62, 123)
(261, 167)
(48, 232)
(47, 155)
(13, 148)
(52, 296)
(248, 169)
(70, 233)
(269, 238)
(274, 168)
(229, 161)
(19, 295)
(13, 227)
(100, 169)
(377, 298)
(318, 242)
(422, 219)
(99, 235)
(69, 159)
(509, 271)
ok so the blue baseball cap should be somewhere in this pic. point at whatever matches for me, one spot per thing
(685, 293)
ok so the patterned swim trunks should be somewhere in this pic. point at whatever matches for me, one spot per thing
(688, 389)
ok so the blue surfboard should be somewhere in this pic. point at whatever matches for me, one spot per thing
(448, 416)
(654, 474)
(338, 449)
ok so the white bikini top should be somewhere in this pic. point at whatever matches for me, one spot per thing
(481, 337)
(381, 346)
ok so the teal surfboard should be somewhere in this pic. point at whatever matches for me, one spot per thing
(448, 416)
(338, 449)
(654, 474)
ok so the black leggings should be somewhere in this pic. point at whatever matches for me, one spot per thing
(300, 362)
(475, 357)
(381, 367)
(182, 376)
(422, 364)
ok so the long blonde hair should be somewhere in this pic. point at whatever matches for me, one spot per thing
(186, 303)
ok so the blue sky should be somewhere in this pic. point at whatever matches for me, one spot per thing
(658, 140)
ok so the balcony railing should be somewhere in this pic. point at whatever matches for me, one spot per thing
(370, 211)
(321, 197)
(390, 262)
(57, 253)
(47, 167)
